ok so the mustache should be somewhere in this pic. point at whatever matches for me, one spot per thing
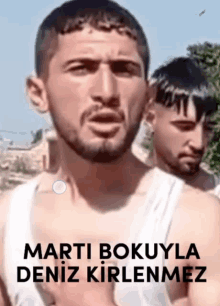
(96, 109)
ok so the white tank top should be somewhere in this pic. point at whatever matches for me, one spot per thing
(217, 186)
(152, 227)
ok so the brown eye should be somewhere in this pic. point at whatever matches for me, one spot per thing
(184, 127)
(83, 68)
(78, 70)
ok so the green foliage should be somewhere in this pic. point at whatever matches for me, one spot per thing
(148, 144)
(207, 56)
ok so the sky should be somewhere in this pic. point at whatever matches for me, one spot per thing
(170, 27)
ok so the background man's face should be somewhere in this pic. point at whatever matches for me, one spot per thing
(180, 141)
(96, 91)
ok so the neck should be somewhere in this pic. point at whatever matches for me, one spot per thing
(89, 179)
(156, 160)
(151, 160)
(201, 179)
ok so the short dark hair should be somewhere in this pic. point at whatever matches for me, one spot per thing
(74, 15)
(178, 80)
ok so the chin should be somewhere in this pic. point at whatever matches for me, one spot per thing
(189, 169)
(100, 151)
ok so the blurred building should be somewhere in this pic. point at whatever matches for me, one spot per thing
(42, 155)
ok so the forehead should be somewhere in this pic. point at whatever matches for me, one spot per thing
(92, 42)
(172, 113)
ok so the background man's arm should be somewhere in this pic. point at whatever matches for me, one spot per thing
(208, 244)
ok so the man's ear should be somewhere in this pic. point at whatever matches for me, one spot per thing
(37, 94)
(150, 113)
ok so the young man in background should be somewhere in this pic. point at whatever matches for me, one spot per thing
(180, 117)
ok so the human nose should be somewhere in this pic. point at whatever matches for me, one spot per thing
(105, 88)
(197, 140)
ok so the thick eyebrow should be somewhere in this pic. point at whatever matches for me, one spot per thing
(78, 60)
(85, 59)
(126, 61)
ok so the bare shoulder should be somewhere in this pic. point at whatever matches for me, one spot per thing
(201, 206)
(198, 200)
(197, 220)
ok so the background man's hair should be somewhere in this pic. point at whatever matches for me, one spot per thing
(180, 79)
(73, 15)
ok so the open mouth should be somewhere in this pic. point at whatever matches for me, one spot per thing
(105, 124)
(106, 117)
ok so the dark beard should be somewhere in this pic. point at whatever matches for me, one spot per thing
(105, 153)
(185, 173)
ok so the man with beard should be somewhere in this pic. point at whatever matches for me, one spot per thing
(92, 62)
(180, 118)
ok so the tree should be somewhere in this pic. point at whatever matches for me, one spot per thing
(207, 57)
